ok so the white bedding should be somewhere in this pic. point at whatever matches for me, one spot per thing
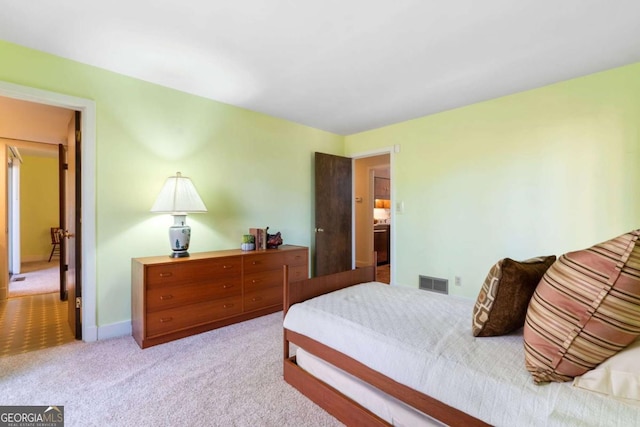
(387, 407)
(423, 340)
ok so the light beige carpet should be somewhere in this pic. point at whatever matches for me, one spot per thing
(227, 377)
(38, 277)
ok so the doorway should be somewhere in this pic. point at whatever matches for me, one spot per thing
(355, 177)
(87, 194)
(372, 213)
(33, 314)
(33, 213)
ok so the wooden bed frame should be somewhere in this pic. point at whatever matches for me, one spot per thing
(331, 400)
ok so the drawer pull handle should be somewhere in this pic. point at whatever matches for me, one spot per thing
(229, 305)
(255, 299)
(255, 262)
(166, 319)
(255, 281)
(166, 274)
(227, 266)
(227, 286)
(166, 297)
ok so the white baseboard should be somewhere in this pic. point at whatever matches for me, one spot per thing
(114, 330)
(90, 334)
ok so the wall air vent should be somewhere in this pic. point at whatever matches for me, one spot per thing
(434, 284)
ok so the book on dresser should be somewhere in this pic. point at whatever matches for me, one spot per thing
(173, 298)
(260, 237)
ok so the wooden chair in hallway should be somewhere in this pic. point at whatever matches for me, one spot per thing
(55, 242)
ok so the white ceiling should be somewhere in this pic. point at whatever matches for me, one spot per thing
(344, 66)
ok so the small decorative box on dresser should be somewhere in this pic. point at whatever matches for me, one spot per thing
(173, 298)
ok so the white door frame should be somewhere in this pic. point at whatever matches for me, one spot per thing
(88, 175)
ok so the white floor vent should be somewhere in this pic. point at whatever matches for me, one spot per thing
(434, 284)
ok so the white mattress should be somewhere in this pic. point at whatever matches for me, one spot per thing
(423, 340)
(387, 407)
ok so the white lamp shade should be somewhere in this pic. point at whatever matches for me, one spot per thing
(178, 196)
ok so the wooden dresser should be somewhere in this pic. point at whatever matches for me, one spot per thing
(173, 298)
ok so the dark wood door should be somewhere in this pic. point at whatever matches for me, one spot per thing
(73, 228)
(62, 218)
(333, 208)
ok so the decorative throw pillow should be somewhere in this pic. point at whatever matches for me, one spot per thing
(618, 376)
(501, 306)
(585, 309)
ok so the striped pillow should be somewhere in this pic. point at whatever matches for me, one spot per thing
(585, 309)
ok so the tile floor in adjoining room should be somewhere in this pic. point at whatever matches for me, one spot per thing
(32, 323)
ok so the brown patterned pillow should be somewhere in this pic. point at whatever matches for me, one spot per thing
(502, 303)
(585, 309)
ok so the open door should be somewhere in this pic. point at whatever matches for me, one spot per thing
(72, 238)
(333, 214)
(62, 221)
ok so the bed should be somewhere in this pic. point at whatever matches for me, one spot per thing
(374, 354)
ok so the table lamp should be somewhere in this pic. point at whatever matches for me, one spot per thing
(179, 197)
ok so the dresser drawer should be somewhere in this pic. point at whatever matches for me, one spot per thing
(164, 297)
(294, 258)
(263, 261)
(167, 274)
(263, 279)
(300, 272)
(174, 319)
(266, 296)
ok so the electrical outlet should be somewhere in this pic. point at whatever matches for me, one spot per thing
(458, 281)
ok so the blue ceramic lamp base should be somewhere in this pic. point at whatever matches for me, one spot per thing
(179, 236)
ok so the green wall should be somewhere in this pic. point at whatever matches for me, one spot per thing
(251, 170)
(539, 172)
(535, 173)
(38, 206)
